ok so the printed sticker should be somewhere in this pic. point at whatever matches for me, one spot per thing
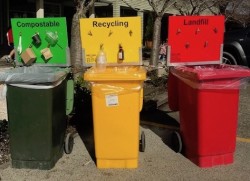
(111, 100)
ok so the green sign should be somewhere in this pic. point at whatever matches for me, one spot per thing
(41, 41)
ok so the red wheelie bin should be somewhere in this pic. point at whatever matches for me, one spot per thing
(208, 98)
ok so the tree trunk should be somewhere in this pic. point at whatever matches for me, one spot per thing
(156, 42)
(75, 47)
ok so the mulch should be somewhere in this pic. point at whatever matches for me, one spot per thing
(4, 142)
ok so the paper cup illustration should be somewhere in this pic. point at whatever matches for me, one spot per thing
(36, 38)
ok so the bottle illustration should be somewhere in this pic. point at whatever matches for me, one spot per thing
(101, 59)
(120, 55)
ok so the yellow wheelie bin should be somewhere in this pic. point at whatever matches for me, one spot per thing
(117, 97)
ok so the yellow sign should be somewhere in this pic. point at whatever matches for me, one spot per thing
(118, 38)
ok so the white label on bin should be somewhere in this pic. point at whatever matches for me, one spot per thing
(111, 100)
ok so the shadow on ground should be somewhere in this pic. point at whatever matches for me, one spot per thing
(84, 128)
(82, 120)
(161, 124)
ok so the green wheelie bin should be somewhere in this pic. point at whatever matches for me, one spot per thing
(37, 117)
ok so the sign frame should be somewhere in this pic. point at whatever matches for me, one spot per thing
(195, 40)
(111, 34)
(40, 35)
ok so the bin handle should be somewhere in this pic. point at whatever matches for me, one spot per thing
(69, 96)
(141, 99)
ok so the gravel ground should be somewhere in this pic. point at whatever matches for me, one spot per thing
(3, 108)
(4, 135)
(4, 142)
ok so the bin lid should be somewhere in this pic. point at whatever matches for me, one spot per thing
(115, 73)
(209, 72)
(33, 75)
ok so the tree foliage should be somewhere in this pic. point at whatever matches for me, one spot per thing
(238, 11)
(196, 7)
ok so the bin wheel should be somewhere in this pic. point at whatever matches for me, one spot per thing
(68, 143)
(176, 142)
(142, 142)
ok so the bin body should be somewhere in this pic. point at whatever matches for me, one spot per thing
(37, 121)
(208, 122)
(117, 101)
(209, 113)
(172, 85)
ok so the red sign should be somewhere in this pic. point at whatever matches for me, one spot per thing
(195, 40)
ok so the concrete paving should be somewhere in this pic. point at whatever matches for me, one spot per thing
(158, 162)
